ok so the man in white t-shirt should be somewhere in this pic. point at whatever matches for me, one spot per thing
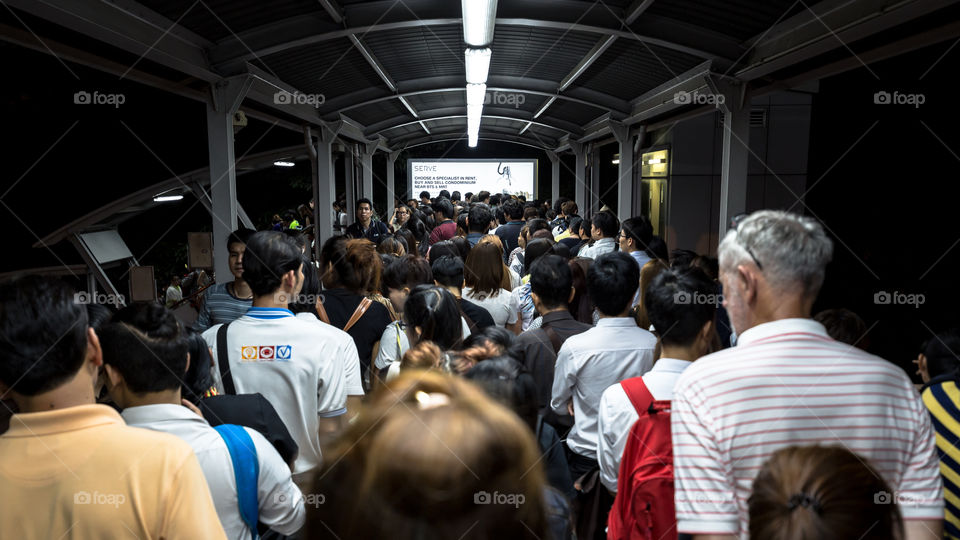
(285, 358)
(682, 309)
(788, 383)
(145, 357)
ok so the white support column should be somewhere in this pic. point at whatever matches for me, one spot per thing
(554, 176)
(580, 185)
(224, 101)
(366, 165)
(324, 184)
(736, 153)
(349, 176)
(594, 193)
(624, 171)
(391, 181)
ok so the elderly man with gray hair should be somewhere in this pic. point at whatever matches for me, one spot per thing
(788, 383)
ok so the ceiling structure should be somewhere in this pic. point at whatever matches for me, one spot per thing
(563, 72)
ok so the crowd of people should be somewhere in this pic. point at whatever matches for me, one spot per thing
(477, 367)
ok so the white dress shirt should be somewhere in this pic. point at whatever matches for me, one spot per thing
(601, 246)
(588, 363)
(617, 415)
(278, 498)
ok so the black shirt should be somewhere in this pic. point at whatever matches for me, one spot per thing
(509, 234)
(538, 355)
(253, 411)
(375, 233)
(340, 305)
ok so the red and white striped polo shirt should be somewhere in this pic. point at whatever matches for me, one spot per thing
(787, 383)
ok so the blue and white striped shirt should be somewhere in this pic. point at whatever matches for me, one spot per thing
(220, 307)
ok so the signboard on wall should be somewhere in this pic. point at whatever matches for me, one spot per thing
(507, 176)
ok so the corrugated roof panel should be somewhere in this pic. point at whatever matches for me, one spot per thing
(332, 68)
(571, 112)
(538, 53)
(741, 19)
(437, 100)
(380, 111)
(629, 68)
(414, 53)
(220, 19)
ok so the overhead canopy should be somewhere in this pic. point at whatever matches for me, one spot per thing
(562, 71)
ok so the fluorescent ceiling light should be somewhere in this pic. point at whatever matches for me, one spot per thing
(167, 198)
(479, 17)
(477, 62)
(472, 140)
(475, 94)
(284, 163)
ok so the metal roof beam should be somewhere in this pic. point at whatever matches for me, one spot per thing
(636, 9)
(297, 32)
(828, 25)
(587, 61)
(457, 112)
(374, 63)
(498, 83)
(143, 33)
(332, 9)
(500, 138)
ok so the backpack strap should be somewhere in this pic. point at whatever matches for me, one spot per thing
(223, 360)
(322, 312)
(638, 394)
(246, 470)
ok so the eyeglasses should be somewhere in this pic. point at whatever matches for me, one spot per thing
(738, 222)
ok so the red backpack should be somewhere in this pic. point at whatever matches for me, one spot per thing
(644, 507)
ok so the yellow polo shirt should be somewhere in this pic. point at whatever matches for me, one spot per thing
(81, 473)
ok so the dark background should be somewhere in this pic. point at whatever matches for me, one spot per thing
(889, 202)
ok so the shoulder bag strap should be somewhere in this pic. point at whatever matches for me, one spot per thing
(246, 470)
(322, 312)
(357, 313)
(223, 361)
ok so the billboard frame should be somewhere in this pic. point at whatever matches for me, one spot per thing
(535, 161)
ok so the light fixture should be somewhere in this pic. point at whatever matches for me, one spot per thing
(472, 140)
(167, 198)
(475, 94)
(479, 17)
(616, 161)
(284, 163)
(656, 161)
(477, 63)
